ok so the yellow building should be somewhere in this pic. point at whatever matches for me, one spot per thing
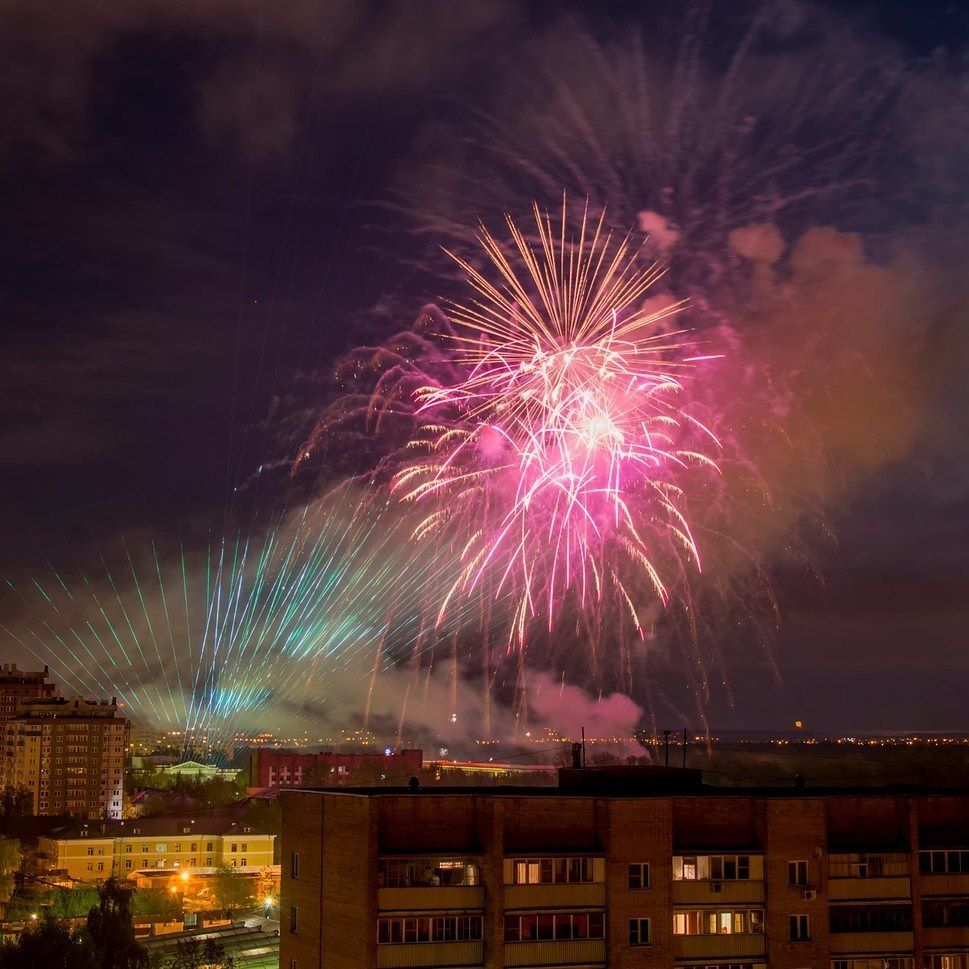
(96, 851)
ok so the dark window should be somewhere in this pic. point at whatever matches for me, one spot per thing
(294, 865)
(639, 931)
(639, 876)
(797, 873)
(800, 926)
(293, 918)
(871, 918)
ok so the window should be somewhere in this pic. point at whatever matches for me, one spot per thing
(546, 871)
(235, 847)
(242, 862)
(729, 921)
(939, 914)
(90, 851)
(892, 962)
(195, 846)
(871, 918)
(429, 928)
(294, 865)
(953, 961)
(127, 864)
(797, 873)
(713, 868)
(245, 846)
(638, 876)
(178, 846)
(100, 866)
(127, 849)
(800, 927)
(544, 926)
(161, 848)
(943, 863)
(639, 931)
(293, 918)
(425, 872)
(208, 846)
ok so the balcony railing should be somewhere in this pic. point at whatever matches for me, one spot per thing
(430, 954)
(895, 887)
(572, 952)
(712, 893)
(717, 946)
(569, 895)
(946, 937)
(939, 884)
(861, 943)
(417, 899)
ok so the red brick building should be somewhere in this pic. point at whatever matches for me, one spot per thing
(271, 767)
(625, 868)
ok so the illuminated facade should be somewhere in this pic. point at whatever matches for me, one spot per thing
(95, 852)
(69, 754)
(621, 869)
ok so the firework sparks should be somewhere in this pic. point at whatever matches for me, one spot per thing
(564, 441)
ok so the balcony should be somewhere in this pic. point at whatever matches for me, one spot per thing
(712, 892)
(858, 889)
(567, 895)
(430, 954)
(863, 943)
(712, 947)
(447, 898)
(573, 952)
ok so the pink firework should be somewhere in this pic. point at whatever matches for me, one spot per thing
(556, 463)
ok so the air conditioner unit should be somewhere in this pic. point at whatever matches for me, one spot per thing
(716, 887)
(808, 894)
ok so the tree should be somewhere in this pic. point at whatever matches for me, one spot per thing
(73, 903)
(155, 901)
(9, 863)
(194, 954)
(232, 890)
(50, 944)
(15, 803)
(113, 935)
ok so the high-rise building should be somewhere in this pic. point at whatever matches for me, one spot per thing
(70, 754)
(18, 686)
(624, 867)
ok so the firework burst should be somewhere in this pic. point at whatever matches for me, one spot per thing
(556, 463)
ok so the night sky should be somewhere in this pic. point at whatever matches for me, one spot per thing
(207, 202)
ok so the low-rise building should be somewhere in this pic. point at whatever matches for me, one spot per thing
(275, 767)
(625, 867)
(69, 753)
(95, 852)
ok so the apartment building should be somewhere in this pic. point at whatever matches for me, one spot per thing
(94, 852)
(18, 686)
(69, 753)
(625, 867)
